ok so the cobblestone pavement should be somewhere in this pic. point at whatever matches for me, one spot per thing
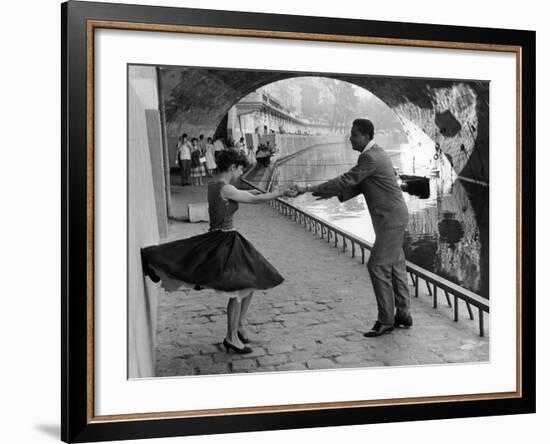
(314, 320)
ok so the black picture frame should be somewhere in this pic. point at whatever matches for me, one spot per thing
(77, 421)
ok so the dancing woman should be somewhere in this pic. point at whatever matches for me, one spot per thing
(221, 259)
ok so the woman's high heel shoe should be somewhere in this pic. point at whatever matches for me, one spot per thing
(243, 339)
(229, 346)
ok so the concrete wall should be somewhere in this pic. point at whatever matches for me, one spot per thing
(146, 216)
(154, 140)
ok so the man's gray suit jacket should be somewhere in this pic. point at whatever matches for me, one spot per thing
(375, 178)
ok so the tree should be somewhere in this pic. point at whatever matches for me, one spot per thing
(311, 100)
(344, 103)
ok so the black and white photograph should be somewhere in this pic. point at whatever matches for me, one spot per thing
(264, 222)
(283, 221)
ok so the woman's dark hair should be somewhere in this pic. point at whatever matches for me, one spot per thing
(194, 139)
(228, 158)
(184, 135)
(364, 126)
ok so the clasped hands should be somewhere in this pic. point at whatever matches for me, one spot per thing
(297, 190)
(293, 191)
(290, 192)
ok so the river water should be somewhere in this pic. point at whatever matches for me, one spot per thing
(448, 233)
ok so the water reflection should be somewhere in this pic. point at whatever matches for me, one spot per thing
(447, 233)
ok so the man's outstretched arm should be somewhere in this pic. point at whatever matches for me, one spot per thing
(344, 186)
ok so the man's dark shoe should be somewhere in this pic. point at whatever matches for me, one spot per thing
(378, 330)
(403, 321)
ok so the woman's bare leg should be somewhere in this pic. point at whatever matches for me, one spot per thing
(233, 316)
(245, 304)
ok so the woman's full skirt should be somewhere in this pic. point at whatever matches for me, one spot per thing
(221, 260)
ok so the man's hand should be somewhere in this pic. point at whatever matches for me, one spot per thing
(319, 197)
(300, 189)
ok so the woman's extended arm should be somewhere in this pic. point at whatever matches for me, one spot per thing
(242, 196)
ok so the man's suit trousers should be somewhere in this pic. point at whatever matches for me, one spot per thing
(388, 271)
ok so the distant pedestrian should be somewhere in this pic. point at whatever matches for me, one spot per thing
(202, 142)
(183, 159)
(251, 153)
(218, 148)
(197, 168)
(241, 146)
(202, 149)
(263, 156)
(210, 158)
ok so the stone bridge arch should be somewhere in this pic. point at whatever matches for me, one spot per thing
(453, 113)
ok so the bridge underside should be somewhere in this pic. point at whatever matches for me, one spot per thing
(453, 113)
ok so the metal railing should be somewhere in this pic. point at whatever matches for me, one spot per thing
(276, 164)
(349, 242)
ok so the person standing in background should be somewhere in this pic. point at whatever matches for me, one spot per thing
(202, 149)
(241, 146)
(197, 165)
(251, 154)
(183, 159)
(210, 159)
(218, 148)
(202, 143)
